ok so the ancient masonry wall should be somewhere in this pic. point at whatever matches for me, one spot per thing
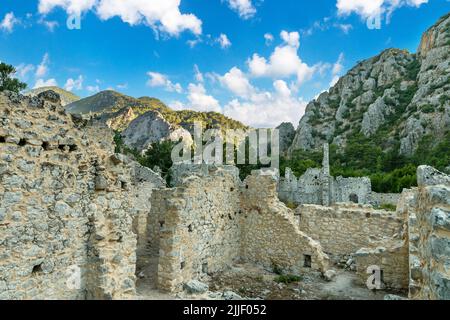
(377, 199)
(389, 254)
(270, 236)
(198, 226)
(420, 261)
(343, 229)
(315, 187)
(433, 231)
(65, 218)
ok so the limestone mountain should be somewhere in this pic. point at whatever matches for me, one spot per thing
(118, 111)
(67, 97)
(396, 99)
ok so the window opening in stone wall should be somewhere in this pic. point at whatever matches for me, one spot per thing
(307, 261)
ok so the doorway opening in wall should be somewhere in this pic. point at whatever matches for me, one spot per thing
(307, 261)
(353, 198)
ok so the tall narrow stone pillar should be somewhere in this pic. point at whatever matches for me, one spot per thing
(326, 192)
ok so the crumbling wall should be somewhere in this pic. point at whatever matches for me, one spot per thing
(356, 190)
(433, 231)
(65, 220)
(270, 236)
(343, 229)
(315, 187)
(378, 199)
(391, 257)
(198, 227)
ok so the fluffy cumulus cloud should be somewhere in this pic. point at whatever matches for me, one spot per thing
(260, 108)
(237, 82)
(268, 109)
(244, 8)
(8, 22)
(284, 61)
(161, 15)
(366, 8)
(199, 100)
(74, 84)
(160, 80)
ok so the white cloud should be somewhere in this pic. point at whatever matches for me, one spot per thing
(176, 105)
(42, 68)
(236, 81)
(200, 101)
(268, 110)
(93, 89)
(49, 24)
(74, 84)
(197, 74)
(224, 41)
(71, 6)
(284, 61)
(45, 83)
(338, 65)
(161, 15)
(244, 8)
(344, 27)
(122, 86)
(269, 38)
(22, 71)
(8, 22)
(366, 8)
(337, 69)
(161, 80)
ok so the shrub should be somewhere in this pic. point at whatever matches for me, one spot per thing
(287, 279)
(427, 108)
(388, 207)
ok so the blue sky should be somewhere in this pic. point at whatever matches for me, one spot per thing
(259, 61)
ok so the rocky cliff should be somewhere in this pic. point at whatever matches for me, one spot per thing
(396, 98)
(146, 120)
(66, 97)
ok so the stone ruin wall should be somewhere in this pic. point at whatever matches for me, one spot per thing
(433, 231)
(343, 229)
(198, 228)
(378, 199)
(212, 220)
(66, 206)
(270, 235)
(313, 187)
(419, 261)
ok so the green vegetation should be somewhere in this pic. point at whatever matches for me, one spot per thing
(388, 171)
(159, 154)
(287, 279)
(412, 69)
(67, 97)
(110, 104)
(7, 82)
(388, 207)
(427, 108)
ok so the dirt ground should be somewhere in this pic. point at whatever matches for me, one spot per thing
(254, 283)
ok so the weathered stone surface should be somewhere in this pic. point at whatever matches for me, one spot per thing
(196, 287)
(396, 84)
(56, 223)
(428, 176)
(329, 275)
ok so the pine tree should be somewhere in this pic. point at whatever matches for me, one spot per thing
(6, 80)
